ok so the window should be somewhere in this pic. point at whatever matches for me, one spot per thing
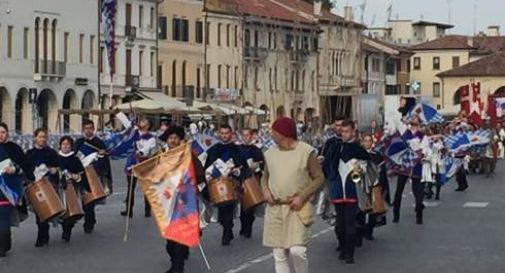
(315, 44)
(399, 65)
(247, 38)
(256, 78)
(245, 81)
(256, 38)
(65, 47)
(305, 43)
(207, 33)
(100, 59)
(288, 42)
(228, 35)
(162, 31)
(141, 16)
(81, 48)
(153, 63)
(269, 40)
(303, 80)
(92, 49)
(408, 66)
(455, 62)
(151, 18)
(219, 34)
(274, 38)
(270, 77)
(180, 30)
(128, 15)
(292, 85)
(235, 34)
(390, 68)
(219, 76)
(376, 65)
(235, 75)
(436, 90)
(228, 76)
(436, 63)
(141, 56)
(275, 78)
(128, 62)
(417, 63)
(198, 32)
(26, 34)
(391, 90)
(10, 31)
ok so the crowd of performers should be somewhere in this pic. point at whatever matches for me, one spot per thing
(354, 167)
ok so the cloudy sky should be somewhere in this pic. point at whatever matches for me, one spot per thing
(488, 12)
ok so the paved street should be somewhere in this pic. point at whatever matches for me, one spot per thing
(462, 233)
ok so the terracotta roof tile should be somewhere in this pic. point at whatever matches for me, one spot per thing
(492, 65)
(446, 42)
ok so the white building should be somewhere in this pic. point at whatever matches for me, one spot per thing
(136, 57)
(407, 32)
(47, 48)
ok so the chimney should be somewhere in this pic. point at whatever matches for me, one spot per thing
(493, 31)
(348, 14)
(470, 41)
(317, 7)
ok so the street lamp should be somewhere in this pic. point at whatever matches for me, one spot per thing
(32, 99)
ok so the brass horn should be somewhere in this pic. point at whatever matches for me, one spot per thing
(356, 174)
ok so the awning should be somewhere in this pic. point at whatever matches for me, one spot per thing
(166, 102)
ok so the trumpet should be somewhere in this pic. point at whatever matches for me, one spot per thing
(357, 174)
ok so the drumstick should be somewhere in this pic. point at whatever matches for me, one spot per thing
(128, 211)
(204, 256)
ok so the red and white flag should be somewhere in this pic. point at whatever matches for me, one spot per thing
(471, 102)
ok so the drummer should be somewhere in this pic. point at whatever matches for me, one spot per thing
(87, 145)
(15, 167)
(72, 172)
(255, 161)
(173, 137)
(228, 154)
(45, 161)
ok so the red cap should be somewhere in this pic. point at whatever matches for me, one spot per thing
(286, 127)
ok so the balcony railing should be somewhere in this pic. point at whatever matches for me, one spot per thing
(51, 69)
(130, 32)
(255, 53)
(132, 80)
(299, 56)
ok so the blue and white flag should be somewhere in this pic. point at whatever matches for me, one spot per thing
(12, 188)
(464, 141)
(426, 113)
(108, 19)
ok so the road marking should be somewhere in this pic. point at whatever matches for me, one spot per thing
(431, 203)
(475, 204)
(269, 256)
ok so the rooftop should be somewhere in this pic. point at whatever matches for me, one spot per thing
(490, 66)
(428, 23)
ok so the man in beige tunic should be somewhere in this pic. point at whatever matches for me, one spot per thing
(292, 176)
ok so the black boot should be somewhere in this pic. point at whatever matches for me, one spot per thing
(396, 215)
(419, 217)
(67, 234)
(349, 251)
(5, 243)
(42, 238)
(227, 237)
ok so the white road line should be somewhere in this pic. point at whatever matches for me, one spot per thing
(475, 204)
(260, 259)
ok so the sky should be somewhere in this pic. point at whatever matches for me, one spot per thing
(488, 12)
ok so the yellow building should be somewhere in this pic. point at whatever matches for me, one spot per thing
(444, 54)
(488, 71)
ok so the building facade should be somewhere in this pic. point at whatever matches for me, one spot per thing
(49, 61)
(135, 59)
(407, 32)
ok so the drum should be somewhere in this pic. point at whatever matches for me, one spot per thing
(222, 191)
(252, 195)
(45, 200)
(74, 206)
(97, 192)
(378, 204)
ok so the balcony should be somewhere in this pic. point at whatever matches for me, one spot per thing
(132, 81)
(130, 32)
(299, 56)
(49, 70)
(255, 54)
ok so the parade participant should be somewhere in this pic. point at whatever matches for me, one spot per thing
(72, 171)
(414, 137)
(15, 167)
(144, 147)
(292, 176)
(45, 161)
(173, 137)
(226, 153)
(85, 146)
(490, 156)
(462, 172)
(341, 160)
(337, 125)
(438, 170)
(255, 161)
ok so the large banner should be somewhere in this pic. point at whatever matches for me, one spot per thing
(169, 183)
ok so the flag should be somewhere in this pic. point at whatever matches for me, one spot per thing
(399, 157)
(121, 145)
(108, 19)
(495, 109)
(169, 183)
(464, 141)
(471, 103)
(426, 113)
(500, 107)
(11, 187)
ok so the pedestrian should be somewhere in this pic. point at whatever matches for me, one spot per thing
(89, 143)
(179, 253)
(45, 161)
(292, 176)
(16, 168)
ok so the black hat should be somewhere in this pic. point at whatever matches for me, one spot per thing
(177, 130)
